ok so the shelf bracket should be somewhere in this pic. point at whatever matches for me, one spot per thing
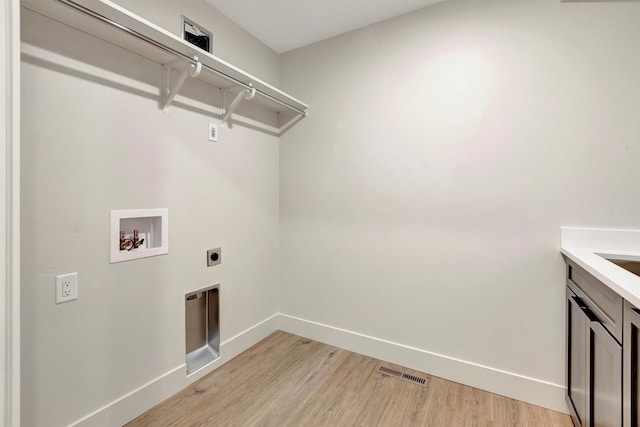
(295, 119)
(191, 70)
(246, 94)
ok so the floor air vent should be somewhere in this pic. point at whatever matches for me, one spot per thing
(403, 376)
(389, 371)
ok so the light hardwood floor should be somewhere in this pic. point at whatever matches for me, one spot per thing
(286, 380)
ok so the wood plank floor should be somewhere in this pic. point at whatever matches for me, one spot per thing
(286, 380)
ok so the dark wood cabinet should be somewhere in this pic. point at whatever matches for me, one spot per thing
(631, 356)
(594, 355)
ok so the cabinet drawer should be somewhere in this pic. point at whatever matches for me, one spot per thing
(605, 303)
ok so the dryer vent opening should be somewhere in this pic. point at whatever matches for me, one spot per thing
(202, 327)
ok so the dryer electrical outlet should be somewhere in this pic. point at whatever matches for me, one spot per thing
(214, 257)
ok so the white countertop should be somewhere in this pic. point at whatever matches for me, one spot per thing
(588, 247)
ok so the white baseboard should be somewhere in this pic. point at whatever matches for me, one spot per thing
(136, 402)
(140, 400)
(520, 387)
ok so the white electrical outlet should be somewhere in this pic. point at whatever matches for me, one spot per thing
(66, 287)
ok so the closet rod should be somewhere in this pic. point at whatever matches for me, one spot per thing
(91, 13)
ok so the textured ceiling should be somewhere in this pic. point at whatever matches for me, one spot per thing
(287, 24)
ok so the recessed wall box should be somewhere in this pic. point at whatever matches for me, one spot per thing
(139, 233)
(202, 327)
(196, 34)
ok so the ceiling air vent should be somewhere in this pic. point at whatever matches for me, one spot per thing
(196, 34)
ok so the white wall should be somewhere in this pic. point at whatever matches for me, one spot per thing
(421, 201)
(94, 139)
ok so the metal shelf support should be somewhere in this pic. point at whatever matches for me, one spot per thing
(191, 70)
(246, 94)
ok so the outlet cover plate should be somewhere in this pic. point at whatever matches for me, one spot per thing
(213, 132)
(214, 257)
(66, 287)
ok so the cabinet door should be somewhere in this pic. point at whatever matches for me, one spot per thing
(604, 379)
(631, 379)
(577, 326)
(594, 368)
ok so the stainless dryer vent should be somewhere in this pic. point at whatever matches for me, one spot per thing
(202, 327)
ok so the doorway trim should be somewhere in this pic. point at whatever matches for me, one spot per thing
(10, 214)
